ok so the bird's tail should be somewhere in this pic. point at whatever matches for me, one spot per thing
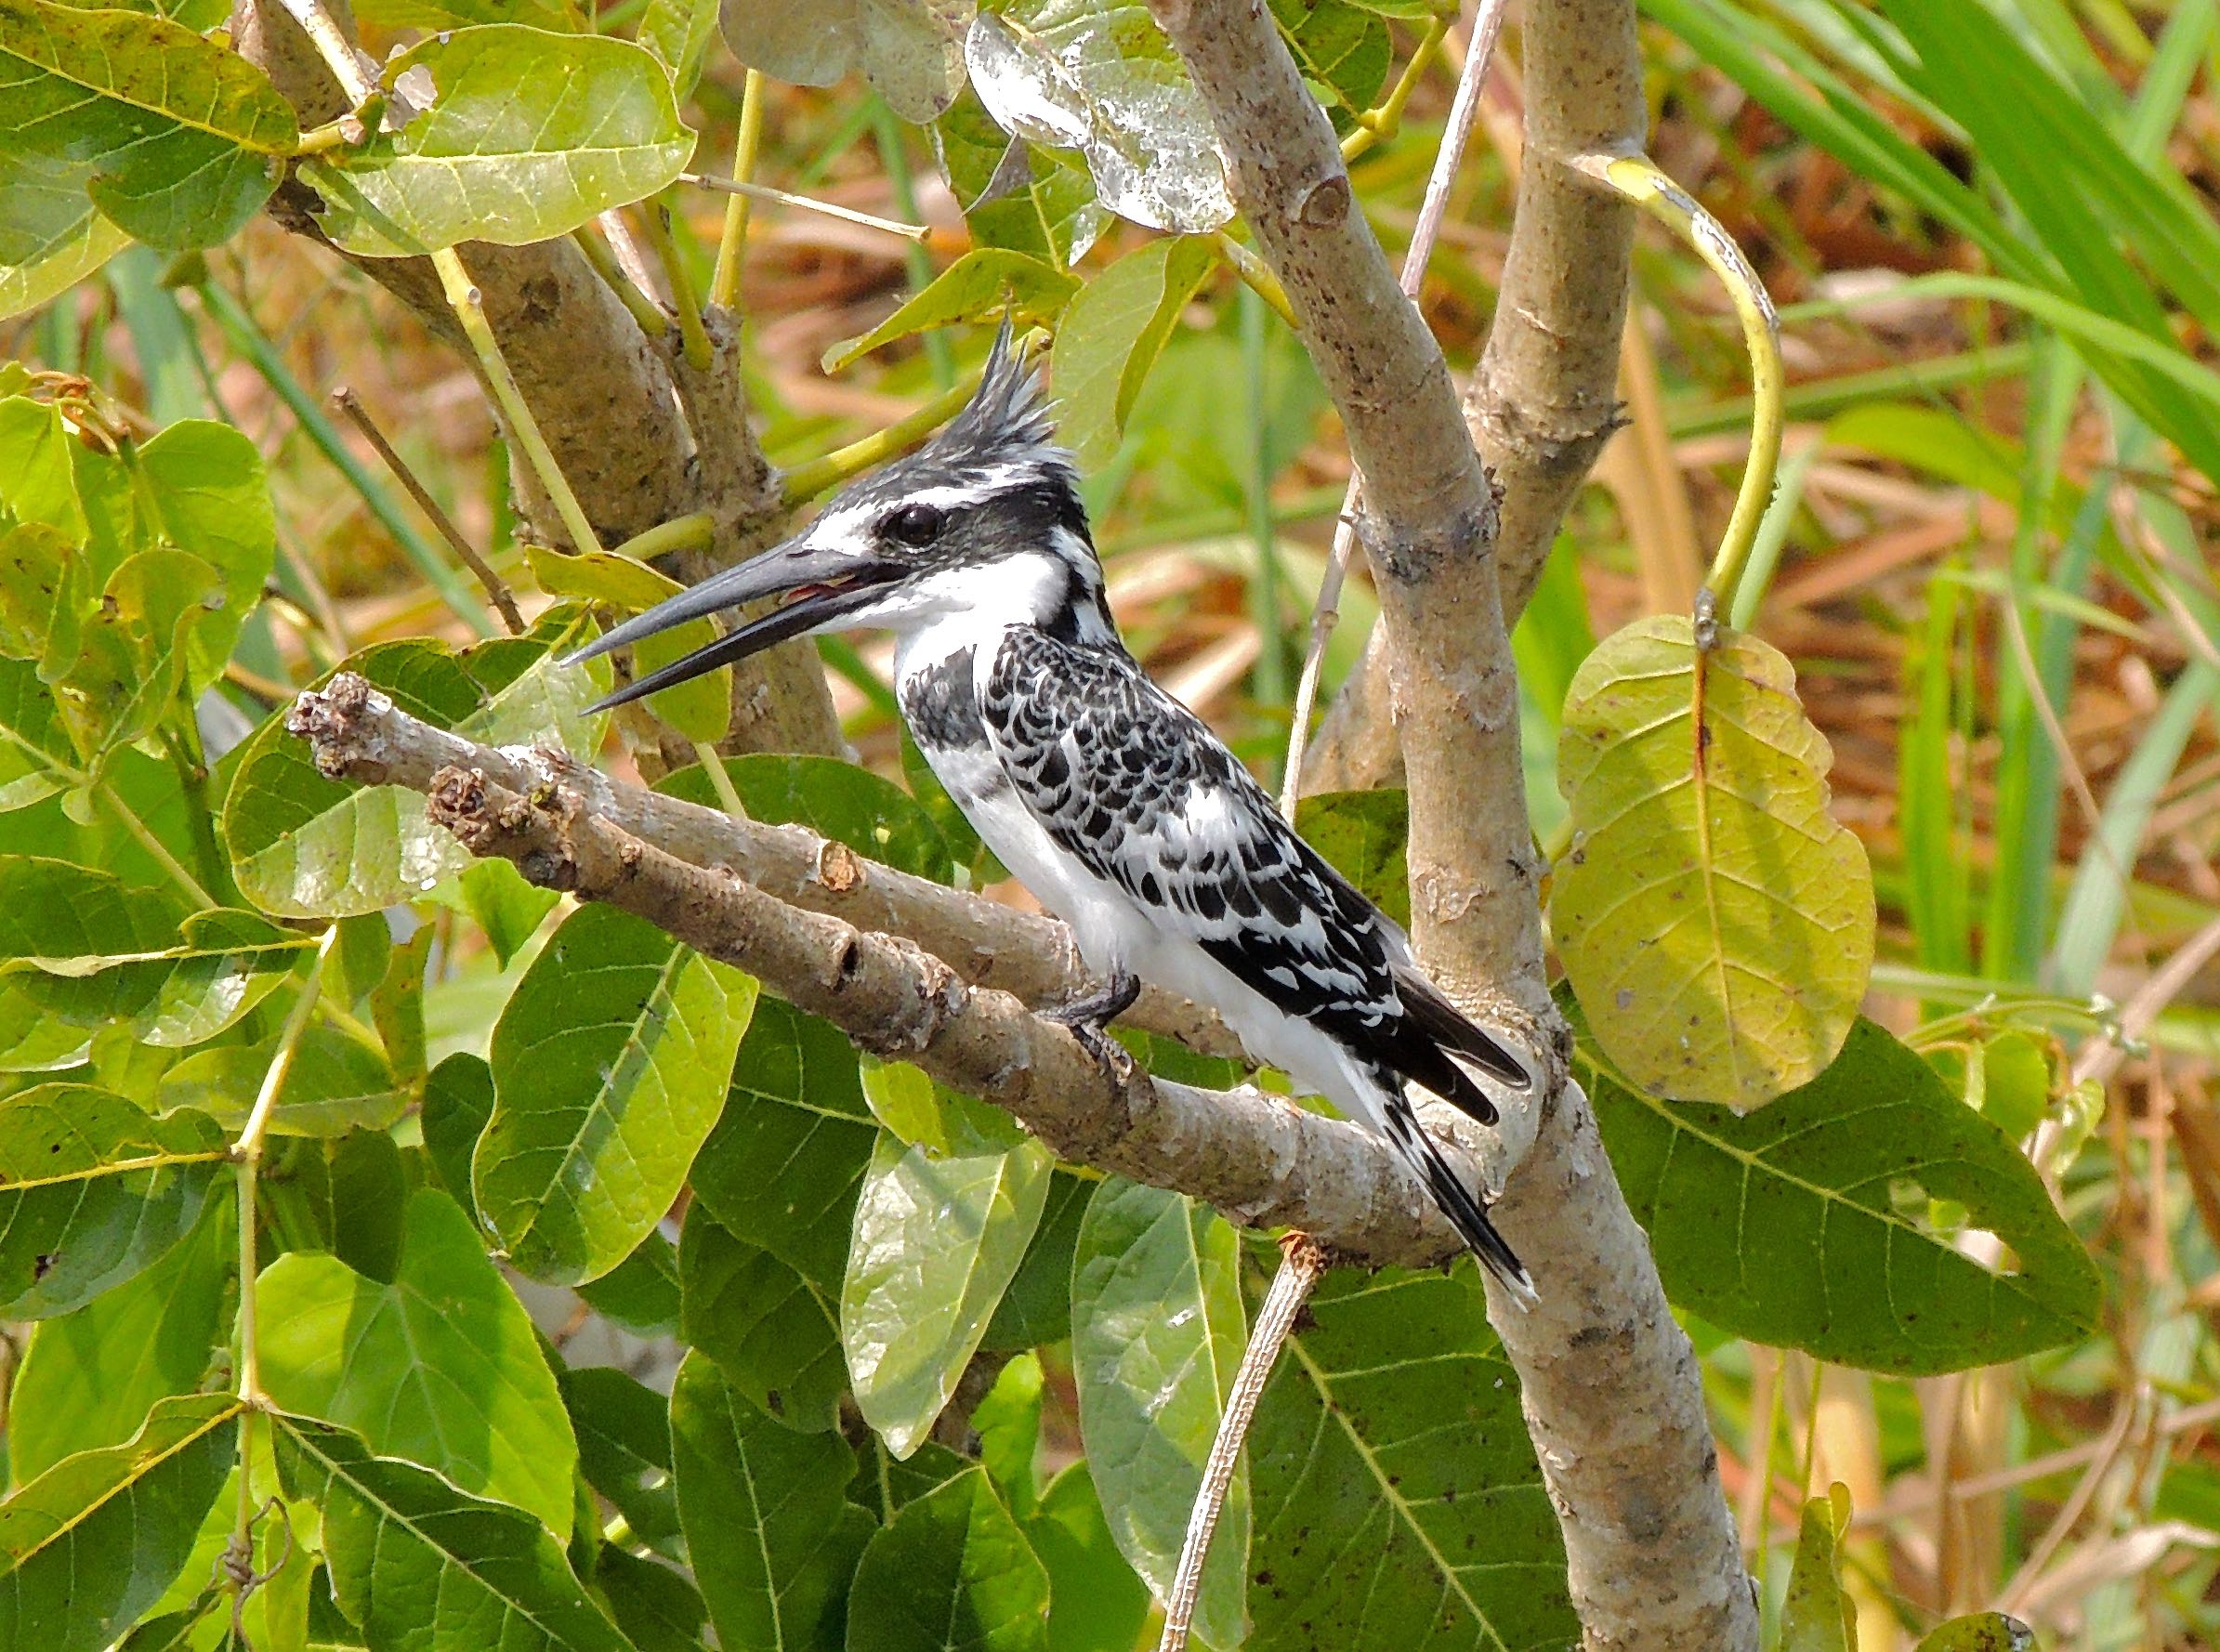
(1457, 1201)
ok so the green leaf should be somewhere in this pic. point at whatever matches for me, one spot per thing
(784, 1166)
(509, 910)
(641, 1292)
(912, 54)
(679, 33)
(458, 1099)
(1788, 1225)
(768, 1526)
(1366, 835)
(415, 1564)
(396, 1008)
(610, 1067)
(305, 847)
(1007, 1420)
(92, 1542)
(1157, 1333)
(924, 1114)
(1397, 1499)
(336, 1083)
(1818, 1614)
(952, 1573)
(190, 986)
(91, 1191)
(1716, 922)
(654, 1605)
(1980, 1631)
(1342, 49)
(983, 284)
(54, 237)
(1094, 1599)
(1036, 1308)
(132, 651)
(175, 139)
(700, 708)
(936, 1242)
(89, 1378)
(1038, 205)
(529, 136)
(623, 1429)
(1112, 334)
(776, 1334)
(208, 492)
(851, 805)
(1086, 74)
(440, 1367)
(457, 14)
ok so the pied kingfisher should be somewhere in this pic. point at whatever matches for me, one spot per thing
(1121, 812)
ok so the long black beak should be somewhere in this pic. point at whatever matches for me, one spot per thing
(828, 583)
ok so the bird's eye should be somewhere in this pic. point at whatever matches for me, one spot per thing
(915, 524)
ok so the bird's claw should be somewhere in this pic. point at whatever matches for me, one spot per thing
(1114, 1056)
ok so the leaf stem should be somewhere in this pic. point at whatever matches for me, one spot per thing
(347, 402)
(469, 308)
(657, 219)
(692, 532)
(1640, 180)
(128, 818)
(645, 313)
(1376, 125)
(724, 285)
(719, 781)
(332, 135)
(1257, 276)
(1303, 1263)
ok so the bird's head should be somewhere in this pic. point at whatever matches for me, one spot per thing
(984, 519)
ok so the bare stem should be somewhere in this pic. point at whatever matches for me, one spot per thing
(645, 311)
(657, 216)
(347, 402)
(724, 286)
(1303, 1263)
(154, 846)
(693, 532)
(1487, 27)
(846, 215)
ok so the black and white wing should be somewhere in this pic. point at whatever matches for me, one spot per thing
(1138, 789)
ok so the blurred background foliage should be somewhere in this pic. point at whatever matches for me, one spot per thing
(1990, 226)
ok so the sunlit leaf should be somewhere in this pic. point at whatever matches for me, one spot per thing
(440, 1367)
(530, 134)
(1034, 201)
(1716, 922)
(1093, 1598)
(624, 1429)
(1366, 835)
(610, 1067)
(984, 284)
(1817, 1615)
(842, 801)
(1112, 334)
(194, 983)
(337, 1082)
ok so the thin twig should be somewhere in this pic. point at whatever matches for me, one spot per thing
(846, 215)
(347, 402)
(1303, 1263)
(724, 285)
(657, 218)
(153, 845)
(1487, 27)
(647, 311)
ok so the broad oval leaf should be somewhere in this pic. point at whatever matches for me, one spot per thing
(92, 1542)
(305, 847)
(784, 1166)
(1715, 920)
(1093, 1598)
(1091, 75)
(623, 1429)
(1342, 49)
(1397, 1499)
(701, 707)
(775, 1333)
(530, 134)
(336, 1083)
(88, 1379)
(953, 1573)
(1157, 1333)
(985, 283)
(1031, 200)
(208, 492)
(440, 1367)
(769, 1526)
(610, 1063)
(911, 50)
(183, 991)
(92, 1189)
(1112, 334)
(936, 1242)
(415, 1563)
(1366, 835)
(1795, 1225)
(53, 236)
(847, 804)
(175, 139)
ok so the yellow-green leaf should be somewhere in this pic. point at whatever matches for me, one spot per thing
(1716, 922)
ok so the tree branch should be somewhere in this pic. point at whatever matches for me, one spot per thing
(1261, 1161)
(1608, 1381)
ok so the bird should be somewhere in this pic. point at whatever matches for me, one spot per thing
(1118, 808)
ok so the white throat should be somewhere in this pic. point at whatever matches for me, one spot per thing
(972, 606)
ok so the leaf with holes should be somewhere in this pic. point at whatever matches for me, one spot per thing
(983, 284)
(784, 1166)
(175, 139)
(1099, 76)
(442, 1366)
(953, 1572)
(528, 135)
(609, 1063)
(92, 1189)
(1157, 1333)
(773, 1535)
(92, 1542)
(306, 846)
(415, 1563)
(775, 1333)
(1397, 1499)
(1804, 1225)
(1715, 920)
(936, 1242)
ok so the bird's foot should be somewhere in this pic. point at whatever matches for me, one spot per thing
(1114, 1056)
(1085, 1019)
